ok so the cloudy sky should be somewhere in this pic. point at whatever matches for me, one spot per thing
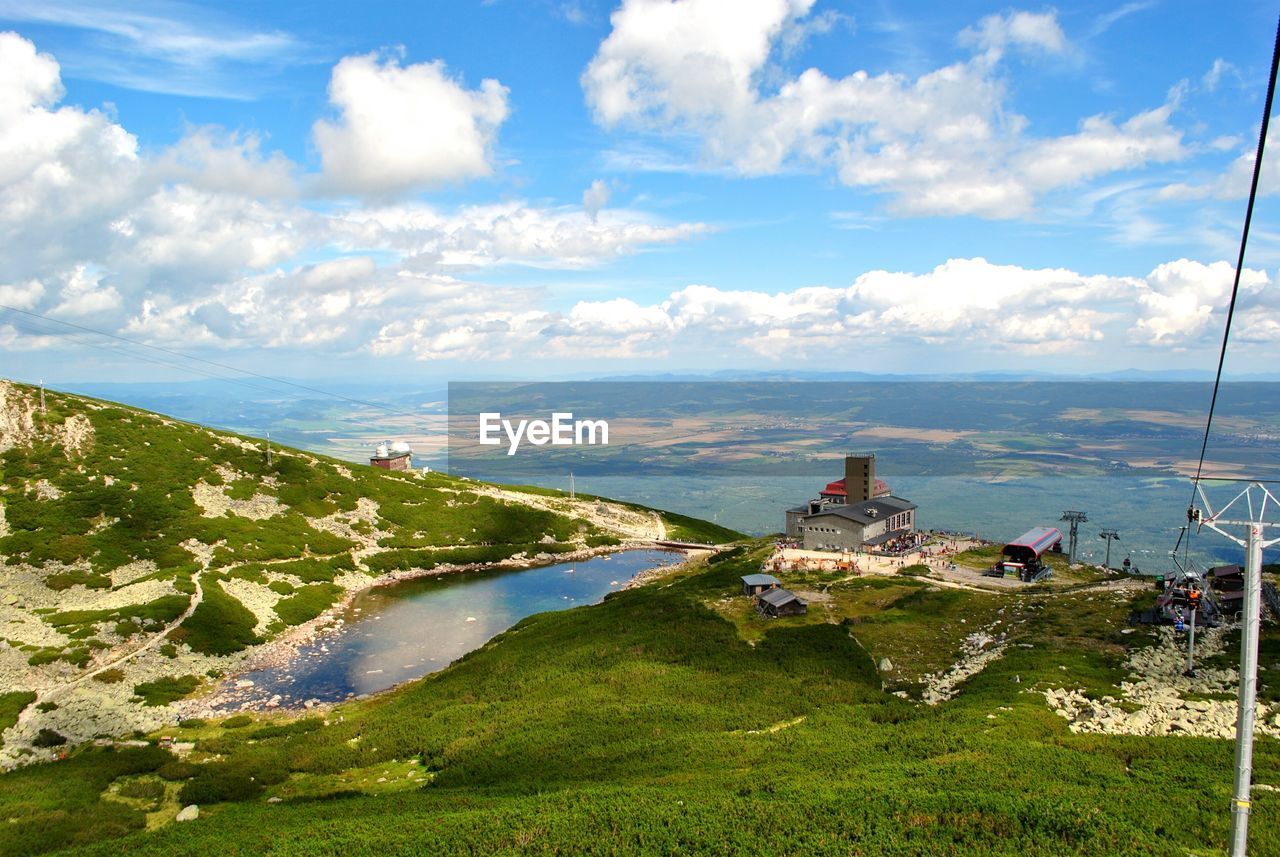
(551, 187)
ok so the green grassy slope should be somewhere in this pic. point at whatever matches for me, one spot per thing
(650, 723)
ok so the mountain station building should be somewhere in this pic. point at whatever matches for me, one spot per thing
(854, 513)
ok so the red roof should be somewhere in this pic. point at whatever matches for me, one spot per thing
(837, 489)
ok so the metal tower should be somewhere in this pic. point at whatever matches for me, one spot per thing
(1246, 528)
(1075, 519)
(1110, 536)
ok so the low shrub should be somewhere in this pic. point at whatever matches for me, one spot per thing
(165, 690)
(220, 625)
(177, 770)
(142, 789)
(48, 738)
(115, 675)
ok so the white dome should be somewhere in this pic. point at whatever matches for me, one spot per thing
(400, 446)
(381, 451)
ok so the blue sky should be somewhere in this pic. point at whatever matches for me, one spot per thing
(516, 189)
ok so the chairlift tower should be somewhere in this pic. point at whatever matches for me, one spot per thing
(1075, 519)
(1110, 536)
(1243, 520)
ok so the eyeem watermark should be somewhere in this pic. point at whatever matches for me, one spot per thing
(563, 430)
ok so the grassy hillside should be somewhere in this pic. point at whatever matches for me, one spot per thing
(126, 536)
(659, 722)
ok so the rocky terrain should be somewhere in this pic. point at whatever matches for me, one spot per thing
(1159, 700)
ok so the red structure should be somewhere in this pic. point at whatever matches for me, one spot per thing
(837, 490)
(394, 456)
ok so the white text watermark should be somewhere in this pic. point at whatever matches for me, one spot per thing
(562, 430)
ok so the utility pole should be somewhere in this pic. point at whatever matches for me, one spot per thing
(42, 412)
(571, 491)
(1075, 519)
(1252, 519)
(268, 449)
(1191, 645)
(1110, 536)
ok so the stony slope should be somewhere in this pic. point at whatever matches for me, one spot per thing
(141, 557)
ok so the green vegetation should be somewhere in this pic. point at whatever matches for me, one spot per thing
(220, 625)
(11, 705)
(48, 738)
(142, 789)
(655, 723)
(60, 805)
(681, 528)
(162, 691)
(307, 603)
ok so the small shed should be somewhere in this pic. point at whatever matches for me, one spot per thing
(780, 602)
(754, 584)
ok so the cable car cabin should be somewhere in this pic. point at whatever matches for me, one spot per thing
(1024, 556)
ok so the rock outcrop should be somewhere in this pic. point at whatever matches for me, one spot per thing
(1160, 700)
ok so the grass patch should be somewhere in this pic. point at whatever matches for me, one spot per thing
(307, 602)
(220, 625)
(11, 706)
(165, 690)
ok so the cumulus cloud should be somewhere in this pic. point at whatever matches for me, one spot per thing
(946, 142)
(993, 309)
(405, 127)
(23, 295)
(211, 159)
(214, 241)
(480, 236)
(85, 294)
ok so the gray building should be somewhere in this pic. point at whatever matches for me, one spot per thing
(781, 602)
(826, 526)
(754, 584)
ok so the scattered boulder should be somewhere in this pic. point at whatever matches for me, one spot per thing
(886, 665)
(188, 813)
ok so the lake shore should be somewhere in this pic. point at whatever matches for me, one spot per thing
(231, 694)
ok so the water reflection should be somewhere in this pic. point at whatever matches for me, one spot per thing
(396, 633)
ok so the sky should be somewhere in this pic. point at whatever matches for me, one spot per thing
(558, 188)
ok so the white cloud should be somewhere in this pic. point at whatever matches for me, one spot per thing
(946, 142)
(996, 310)
(1216, 72)
(1235, 180)
(209, 159)
(23, 296)
(1028, 31)
(212, 241)
(404, 127)
(595, 198)
(1182, 301)
(480, 236)
(84, 294)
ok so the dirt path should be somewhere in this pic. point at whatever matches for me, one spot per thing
(44, 694)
